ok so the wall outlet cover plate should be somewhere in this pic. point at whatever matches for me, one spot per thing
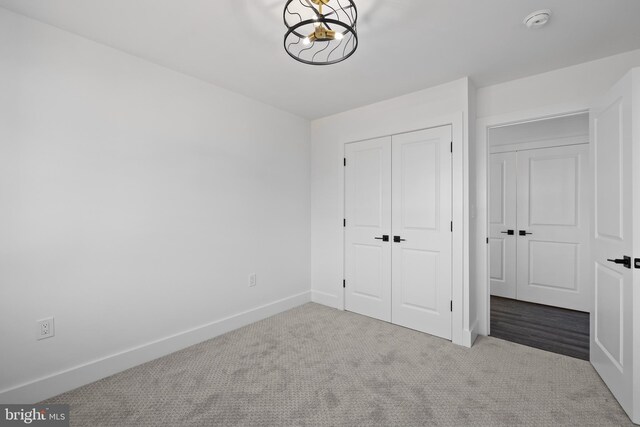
(45, 328)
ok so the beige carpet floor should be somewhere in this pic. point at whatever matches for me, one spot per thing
(315, 366)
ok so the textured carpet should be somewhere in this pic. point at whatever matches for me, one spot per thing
(317, 366)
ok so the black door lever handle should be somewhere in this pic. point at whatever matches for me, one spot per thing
(524, 232)
(397, 239)
(384, 238)
(509, 232)
(625, 261)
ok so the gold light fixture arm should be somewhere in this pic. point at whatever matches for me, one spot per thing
(321, 33)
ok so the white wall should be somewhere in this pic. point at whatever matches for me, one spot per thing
(135, 201)
(328, 136)
(561, 130)
(563, 88)
(561, 91)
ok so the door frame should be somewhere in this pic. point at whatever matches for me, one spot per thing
(460, 292)
(480, 248)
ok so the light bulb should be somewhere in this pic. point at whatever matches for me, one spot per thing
(306, 41)
(339, 36)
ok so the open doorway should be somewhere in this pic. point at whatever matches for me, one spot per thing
(539, 219)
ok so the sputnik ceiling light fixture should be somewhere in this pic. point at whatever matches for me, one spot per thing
(320, 32)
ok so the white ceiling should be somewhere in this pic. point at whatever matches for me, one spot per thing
(405, 45)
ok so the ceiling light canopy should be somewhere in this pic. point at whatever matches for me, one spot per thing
(320, 32)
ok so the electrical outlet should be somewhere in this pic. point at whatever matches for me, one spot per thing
(45, 328)
(252, 279)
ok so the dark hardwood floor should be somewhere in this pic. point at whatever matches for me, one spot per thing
(548, 328)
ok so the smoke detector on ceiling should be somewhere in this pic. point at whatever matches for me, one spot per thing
(537, 19)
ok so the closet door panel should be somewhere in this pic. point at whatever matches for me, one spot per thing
(368, 218)
(502, 218)
(553, 199)
(421, 221)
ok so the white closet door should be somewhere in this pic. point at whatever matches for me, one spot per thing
(502, 224)
(368, 218)
(421, 217)
(553, 209)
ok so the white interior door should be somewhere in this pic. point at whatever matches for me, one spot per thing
(553, 211)
(502, 224)
(368, 218)
(612, 327)
(421, 228)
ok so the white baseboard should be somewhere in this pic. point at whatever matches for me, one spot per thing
(324, 299)
(469, 335)
(60, 382)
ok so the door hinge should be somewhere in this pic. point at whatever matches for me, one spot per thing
(636, 262)
(345, 161)
(451, 226)
(487, 240)
(451, 305)
(344, 222)
(452, 146)
(344, 283)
